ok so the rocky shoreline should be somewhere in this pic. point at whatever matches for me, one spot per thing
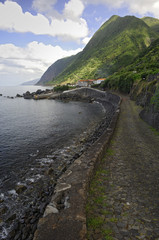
(65, 216)
(28, 221)
(25, 227)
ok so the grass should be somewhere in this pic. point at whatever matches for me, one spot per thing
(99, 200)
(97, 204)
(154, 131)
(113, 220)
(105, 212)
(110, 152)
(95, 222)
(107, 233)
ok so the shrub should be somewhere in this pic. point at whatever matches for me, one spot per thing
(96, 85)
(125, 83)
(61, 88)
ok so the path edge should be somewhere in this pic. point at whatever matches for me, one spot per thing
(65, 216)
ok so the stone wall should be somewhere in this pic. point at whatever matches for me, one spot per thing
(150, 116)
(142, 94)
(65, 217)
(91, 94)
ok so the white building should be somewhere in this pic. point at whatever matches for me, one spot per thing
(98, 81)
(85, 83)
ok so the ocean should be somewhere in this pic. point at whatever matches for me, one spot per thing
(38, 139)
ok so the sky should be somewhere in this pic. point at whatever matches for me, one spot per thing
(36, 33)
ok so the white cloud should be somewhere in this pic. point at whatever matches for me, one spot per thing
(116, 3)
(145, 6)
(74, 9)
(43, 5)
(142, 7)
(86, 40)
(69, 28)
(13, 19)
(31, 61)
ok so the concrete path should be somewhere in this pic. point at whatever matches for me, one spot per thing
(123, 201)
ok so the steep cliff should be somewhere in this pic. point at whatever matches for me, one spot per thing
(55, 69)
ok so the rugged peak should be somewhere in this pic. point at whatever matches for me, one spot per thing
(115, 45)
(113, 18)
(153, 23)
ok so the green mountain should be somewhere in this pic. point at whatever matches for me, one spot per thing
(148, 62)
(140, 73)
(114, 46)
(153, 23)
(55, 69)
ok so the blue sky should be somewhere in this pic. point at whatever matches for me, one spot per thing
(36, 33)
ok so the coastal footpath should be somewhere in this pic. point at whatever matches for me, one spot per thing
(123, 199)
(65, 215)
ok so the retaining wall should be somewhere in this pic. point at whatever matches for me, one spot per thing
(65, 216)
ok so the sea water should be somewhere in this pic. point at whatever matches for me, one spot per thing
(34, 136)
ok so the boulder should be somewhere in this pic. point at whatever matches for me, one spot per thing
(19, 96)
(28, 95)
(20, 188)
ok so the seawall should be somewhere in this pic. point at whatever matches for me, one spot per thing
(65, 217)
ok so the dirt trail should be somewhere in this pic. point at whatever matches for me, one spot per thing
(123, 201)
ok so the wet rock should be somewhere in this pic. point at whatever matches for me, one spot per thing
(17, 236)
(12, 234)
(3, 210)
(50, 171)
(19, 96)
(20, 188)
(24, 236)
(42, 207)
(39, 91)
(30, 237)
(34, 228)
(33, 220)
(28, 95)
(10, 97)
(11, 218)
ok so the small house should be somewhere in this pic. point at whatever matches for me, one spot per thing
(100, 80)
(85, 83)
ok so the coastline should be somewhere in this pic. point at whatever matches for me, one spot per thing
(66, 210)
(27, 225)
(51, 164)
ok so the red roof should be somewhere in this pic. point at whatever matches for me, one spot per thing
(101, 79)
(89, 80)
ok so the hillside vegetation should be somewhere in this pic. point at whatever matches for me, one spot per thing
(145, 65)
(55, 69)
(153, 23)
(141, 80)
(114, 46)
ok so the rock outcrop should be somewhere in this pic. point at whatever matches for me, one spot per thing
(39, 94)
(146, 94)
